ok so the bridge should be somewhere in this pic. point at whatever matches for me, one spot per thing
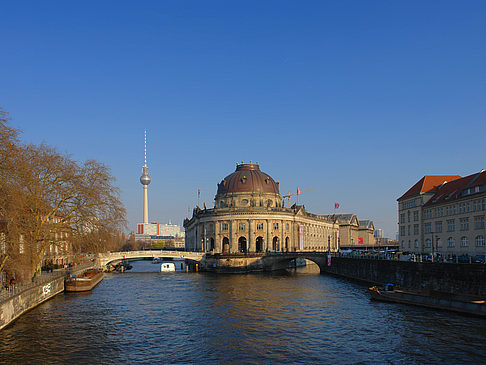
(233, 262)
(104, 259)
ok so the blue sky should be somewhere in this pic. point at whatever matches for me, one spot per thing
(356, 99)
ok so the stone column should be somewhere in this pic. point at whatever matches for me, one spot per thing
(217, 238)
(230, 236)
(205, 238)
(268, 235)
(282, 238)
(250, 238)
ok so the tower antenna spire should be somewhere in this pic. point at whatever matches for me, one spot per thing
(145, 148)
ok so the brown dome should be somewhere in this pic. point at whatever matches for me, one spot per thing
(247, 179)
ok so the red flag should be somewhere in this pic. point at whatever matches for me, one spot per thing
(336, 205)
(299, 191)
(198, 193)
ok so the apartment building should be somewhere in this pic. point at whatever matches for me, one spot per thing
(444, 214)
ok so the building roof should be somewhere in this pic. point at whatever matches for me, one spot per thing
(247, 178)
(368, 224)
(428, 184)
(344, 218)
(459, 188)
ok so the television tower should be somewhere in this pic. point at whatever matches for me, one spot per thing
(145, 180)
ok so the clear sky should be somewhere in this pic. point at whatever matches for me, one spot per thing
(356, 99)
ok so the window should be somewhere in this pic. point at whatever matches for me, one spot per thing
(463, 241)
(409, 231)
(403, 244)
(479, 241)
(451, 225)
(464, 224)
(415, 229)
(408, 216)
(415, 216)
(450, 242)
(438, 227)
(241, 226)
(259, 226)
(402, 218)
(286, 226)
(416, 243)
(438, 243)
(402, 230)
(428, 243)
(427, 227)
(224, 226)
(275, 226)
(409, 244)
(479, 222)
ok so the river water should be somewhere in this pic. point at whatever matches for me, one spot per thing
(148, 317)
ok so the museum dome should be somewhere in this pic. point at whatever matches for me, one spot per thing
(247, 179)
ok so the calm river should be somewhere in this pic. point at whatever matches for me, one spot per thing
(147, 317)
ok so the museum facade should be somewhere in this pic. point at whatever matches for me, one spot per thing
(249, 217)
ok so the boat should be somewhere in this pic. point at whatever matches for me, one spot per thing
(87, 281)
(123, 266)
(462, 304)
(167, 266)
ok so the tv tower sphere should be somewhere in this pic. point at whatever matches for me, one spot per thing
(145, 178)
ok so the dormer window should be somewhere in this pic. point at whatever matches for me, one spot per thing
(243, 179)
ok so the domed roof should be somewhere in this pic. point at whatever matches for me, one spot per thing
(246, 179)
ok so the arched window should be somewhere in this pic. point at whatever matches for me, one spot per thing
(428, 243)
(463, 241)
(416, 243)
(479, 241)
(450, 242)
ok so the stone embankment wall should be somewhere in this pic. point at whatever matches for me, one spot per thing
(27, 299)
(28, 296)
(459, 279)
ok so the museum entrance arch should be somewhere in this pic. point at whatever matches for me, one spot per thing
(276, 244)
(259, 244)
(225, 245)
(242, 244)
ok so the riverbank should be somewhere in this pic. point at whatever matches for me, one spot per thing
(450, 278)
(23, 297)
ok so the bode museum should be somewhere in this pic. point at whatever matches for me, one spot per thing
(249, 216)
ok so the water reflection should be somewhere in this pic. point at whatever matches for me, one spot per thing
(150, 317)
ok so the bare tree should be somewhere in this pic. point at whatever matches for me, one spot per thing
(50, 199)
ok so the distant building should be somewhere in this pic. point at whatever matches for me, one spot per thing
(354, 233)
(379, 233)
(157, 235)
(444, 214)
